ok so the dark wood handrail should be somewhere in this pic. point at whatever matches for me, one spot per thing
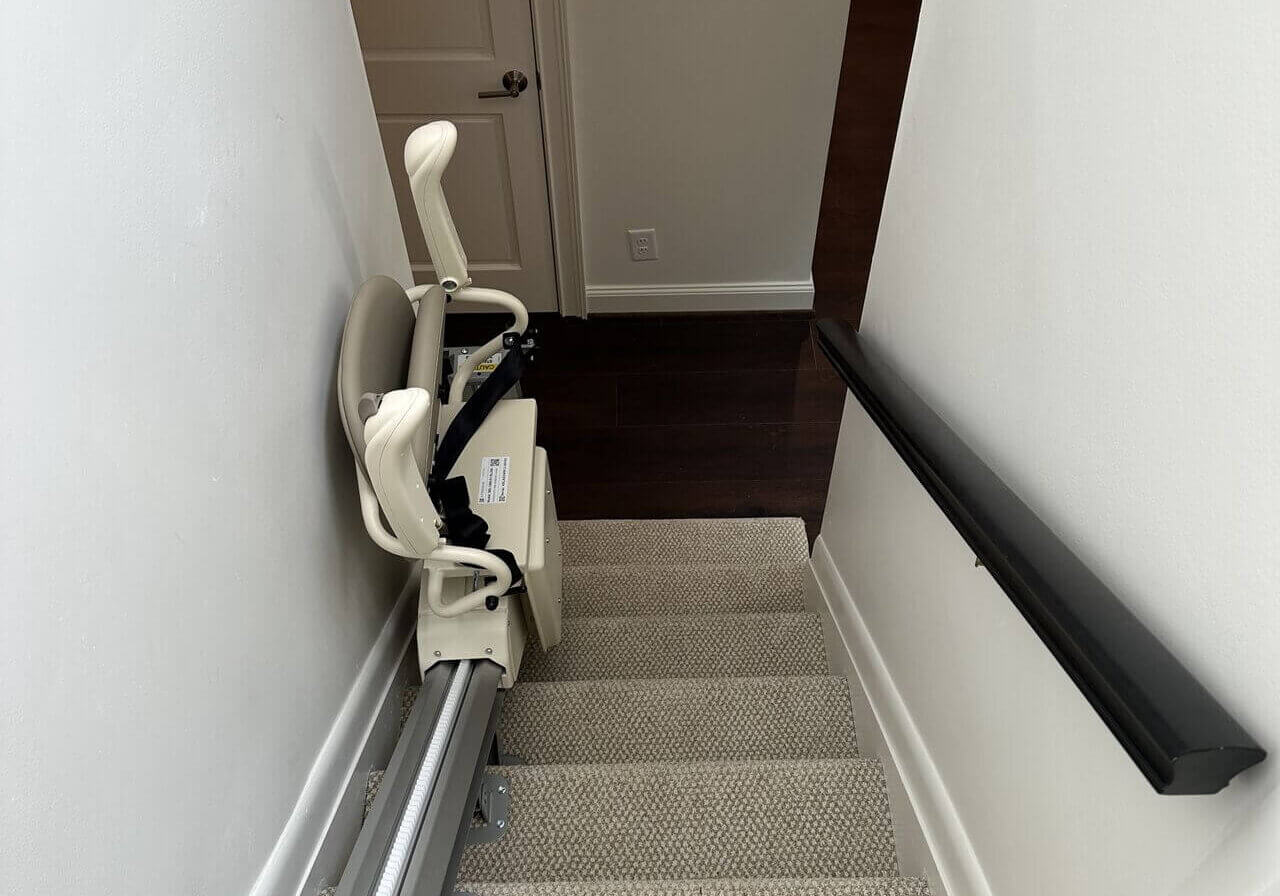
(1180, 737)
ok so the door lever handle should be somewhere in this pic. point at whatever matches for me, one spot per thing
(513, 84)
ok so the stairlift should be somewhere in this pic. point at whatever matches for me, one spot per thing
(478, 595)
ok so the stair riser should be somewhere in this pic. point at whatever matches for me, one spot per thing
(873, 886)
(681, 721)
(682, 590)
(682, 647)
(683, 542)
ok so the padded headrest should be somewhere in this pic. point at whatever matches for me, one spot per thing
(426, 155)
(384, 348)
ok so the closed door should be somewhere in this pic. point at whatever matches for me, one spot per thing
(430, 59)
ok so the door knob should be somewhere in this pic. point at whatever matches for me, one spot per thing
(513, 83)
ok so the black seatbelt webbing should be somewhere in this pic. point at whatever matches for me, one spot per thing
(464, 526)
(477, 408)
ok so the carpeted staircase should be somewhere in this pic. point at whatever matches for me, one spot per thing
(686, 738)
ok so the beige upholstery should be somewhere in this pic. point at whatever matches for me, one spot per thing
(375, 352)
(389, 390)
(428, 341)
(384, 348)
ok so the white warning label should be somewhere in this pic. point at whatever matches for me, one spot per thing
(494, 473)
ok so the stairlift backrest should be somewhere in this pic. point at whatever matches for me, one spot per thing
(388, 377)
(374, 357)
(426, 155)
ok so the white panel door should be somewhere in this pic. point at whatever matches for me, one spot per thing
(430, 59)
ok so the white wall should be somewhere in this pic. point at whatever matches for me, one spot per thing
(1078, 264)
(191, 194)
(710, 122)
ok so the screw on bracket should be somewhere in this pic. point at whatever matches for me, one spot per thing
(495, 809)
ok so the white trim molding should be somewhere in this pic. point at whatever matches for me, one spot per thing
(771, 295)
(555, 95)
(948, 843)
(312, 849)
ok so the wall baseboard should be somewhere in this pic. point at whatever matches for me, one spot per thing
(772, 295)
(951, 856)
(914, 856)
(313, 847)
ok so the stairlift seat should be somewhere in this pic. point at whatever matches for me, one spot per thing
(389, 384)
(374, 357)
(377, 358)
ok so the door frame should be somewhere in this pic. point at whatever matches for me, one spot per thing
(555, 99)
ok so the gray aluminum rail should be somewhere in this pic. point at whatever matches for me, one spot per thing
(457, 712)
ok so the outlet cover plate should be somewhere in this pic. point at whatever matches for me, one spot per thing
(644, 244)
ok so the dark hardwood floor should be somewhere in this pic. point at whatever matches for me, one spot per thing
(681, 416)
(735, 415)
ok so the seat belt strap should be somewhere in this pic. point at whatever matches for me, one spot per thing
(477, 407)
(464, 526)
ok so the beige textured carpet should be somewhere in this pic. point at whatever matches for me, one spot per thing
(637, 589)
(684, 646)
(683, 719)
(686, 738)
(757, 542)
(818, 818)
(828, 886)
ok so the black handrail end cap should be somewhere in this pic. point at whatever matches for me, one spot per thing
(1208, 771)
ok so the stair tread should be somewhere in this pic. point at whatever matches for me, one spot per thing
(638, 589)
(824, 886)
(686, 737)
(689, 646)
(683, 541)
(643, 720)
(663, 820)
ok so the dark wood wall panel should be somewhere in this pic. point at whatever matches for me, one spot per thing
(804, 498)
(877, 54)
(729, 415)
(693, 453)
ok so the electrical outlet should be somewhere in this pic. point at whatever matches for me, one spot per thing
(644, 244)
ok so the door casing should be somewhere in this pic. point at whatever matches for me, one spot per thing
(512, 187)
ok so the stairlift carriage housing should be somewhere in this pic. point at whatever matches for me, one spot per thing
(389, 374)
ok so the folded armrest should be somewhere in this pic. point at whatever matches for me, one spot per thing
(397, 434)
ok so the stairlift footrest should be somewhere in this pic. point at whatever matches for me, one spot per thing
(509, 483)
(497, 635)
(542, 578)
